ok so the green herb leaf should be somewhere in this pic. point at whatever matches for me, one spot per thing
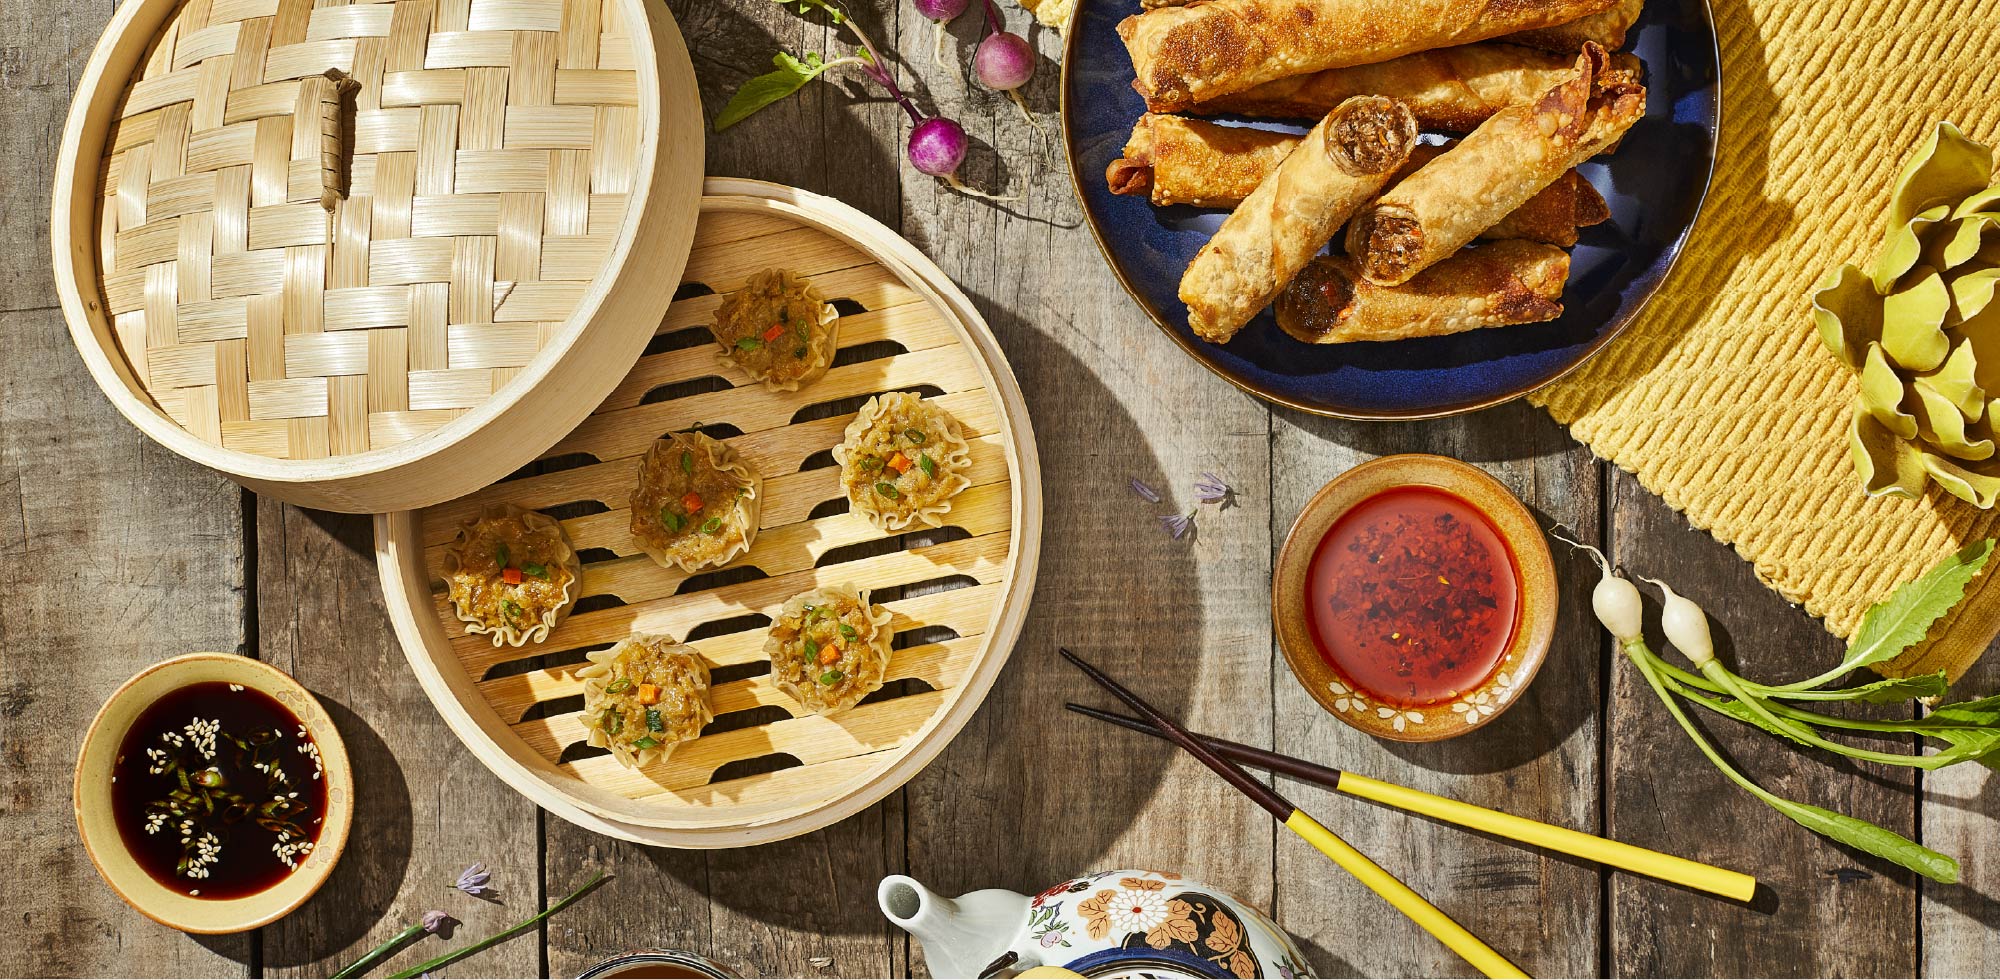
(1893, 690)
(1864, 836)
(645, 742)
(500, 554)
(915, 435)
(687, 462)
(833, 11)
(790, 75)
(1902, 620)
(654, 722)
(711, 525)
(748, 343)
(831, 677)
(618, 685)
(889, 490)
(927, 464)
(537, 570)
(673, 522)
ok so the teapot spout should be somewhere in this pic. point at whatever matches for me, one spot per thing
(960, 936)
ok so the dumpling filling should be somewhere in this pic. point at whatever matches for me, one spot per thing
(644, 696)
(829, 648)
(512, 574)
(902, 461)
(696, 505)
(777, 329)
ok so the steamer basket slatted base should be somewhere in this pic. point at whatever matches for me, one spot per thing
(765, 769)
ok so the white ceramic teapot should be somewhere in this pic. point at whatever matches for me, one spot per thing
(1110, 924)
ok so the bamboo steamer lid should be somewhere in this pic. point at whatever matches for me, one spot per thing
(373, 256)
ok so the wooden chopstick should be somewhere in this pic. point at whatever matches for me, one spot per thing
(1611, 853)
(1405, 899)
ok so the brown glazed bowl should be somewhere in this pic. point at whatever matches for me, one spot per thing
(1533, 627)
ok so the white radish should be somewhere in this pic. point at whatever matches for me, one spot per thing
(1615, 600)
(1685, 625)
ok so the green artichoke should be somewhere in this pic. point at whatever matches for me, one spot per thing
(1921, 331)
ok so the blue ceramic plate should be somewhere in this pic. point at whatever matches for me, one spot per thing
(1654, 185)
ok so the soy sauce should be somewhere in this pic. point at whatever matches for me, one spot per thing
(1413, 596)
(217, 791)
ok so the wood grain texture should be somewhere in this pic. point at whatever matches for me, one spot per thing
(423, 809)
(1029, 794)
(122, 578)
(1961, 817)
(1538, 760)
(1824, 910)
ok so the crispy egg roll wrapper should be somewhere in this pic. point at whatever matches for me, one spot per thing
(1606, 28)
(1174, 160)
(1345, 160)
(1453, 89)
(1493, 285)
(1182, 55)
(1493, 170)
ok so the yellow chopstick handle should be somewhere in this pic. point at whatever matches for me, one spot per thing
(1448, 931)
(1638, 860)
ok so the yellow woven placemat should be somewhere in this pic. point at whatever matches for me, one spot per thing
(1719, 397)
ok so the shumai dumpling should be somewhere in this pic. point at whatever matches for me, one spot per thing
(902, 460)
(697, 503)
(777, 329)
(512, 574)
(643, 696)
(829, 648)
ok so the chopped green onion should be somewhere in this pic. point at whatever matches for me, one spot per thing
(673, 521)
(749, 343)
(915, 435)
(538, 571)
(889, 490)
(871, 462)
(847, 631)
(618, 685)
(510, 608)
(687, 462)
(831, 677)
(614, 721)
(711, 525)
(800, 353)
(812, 648)
(500, 554)
(646, 742)
(653, 720)
(927, 464)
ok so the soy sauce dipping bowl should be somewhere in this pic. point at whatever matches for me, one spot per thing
(1535, 610)
(96, 820)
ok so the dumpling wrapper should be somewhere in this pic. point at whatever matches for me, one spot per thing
(885, 427)
(694, 460)
(676, 668)
(479, 594)
(812, 623)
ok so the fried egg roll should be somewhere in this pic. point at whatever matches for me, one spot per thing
(1606, 27)
(1453, 89)
(1174, 160)
(1495, 169)
(1345, 160)
(1182, 55)
(1488, 286)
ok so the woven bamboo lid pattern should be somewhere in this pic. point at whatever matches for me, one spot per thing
(485, 149)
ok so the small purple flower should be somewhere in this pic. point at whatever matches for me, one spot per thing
(439, 923)
(1178, 525)
(1211, 490)
(472, 880)
(1146, 493)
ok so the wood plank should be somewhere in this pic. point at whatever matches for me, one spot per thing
(803, 907)
(1184, 622)
(1538, 760)
(1958, 817)
(47, 44)
(129, 555)
(1664, 795)
(424, 808)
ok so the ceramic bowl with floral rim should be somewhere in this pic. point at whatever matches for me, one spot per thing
(320, 756)
(1414, 597)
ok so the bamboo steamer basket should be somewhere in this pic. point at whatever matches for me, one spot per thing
(765, 769)
(367, 257)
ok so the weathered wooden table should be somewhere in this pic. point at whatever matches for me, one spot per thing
(119, 554)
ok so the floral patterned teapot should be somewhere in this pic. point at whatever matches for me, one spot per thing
(1110, 924)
